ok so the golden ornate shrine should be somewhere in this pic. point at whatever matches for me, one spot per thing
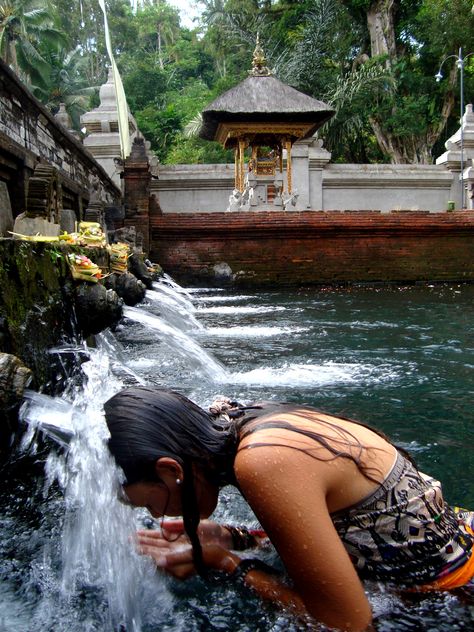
(261, 118)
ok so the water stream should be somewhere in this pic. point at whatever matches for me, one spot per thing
(399, 358)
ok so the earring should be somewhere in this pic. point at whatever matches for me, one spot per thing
(178, 481)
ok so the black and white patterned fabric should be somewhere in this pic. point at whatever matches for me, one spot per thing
(405, 532)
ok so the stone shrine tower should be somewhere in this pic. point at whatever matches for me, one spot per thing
(459, 156)
(102, 129)
(261, 118)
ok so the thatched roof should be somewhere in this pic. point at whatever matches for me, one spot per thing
(263, 99)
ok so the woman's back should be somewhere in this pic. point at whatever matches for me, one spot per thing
(391, 519)
(346, 480)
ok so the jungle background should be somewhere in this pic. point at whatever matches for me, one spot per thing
(374, 61)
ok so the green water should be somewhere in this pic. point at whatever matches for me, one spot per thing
(400, 359)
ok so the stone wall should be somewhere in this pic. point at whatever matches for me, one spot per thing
(42, 306)
(206, 188)
(278, 249)
(322, 186)
(29, 134)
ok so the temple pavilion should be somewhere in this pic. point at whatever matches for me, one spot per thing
(261, 118)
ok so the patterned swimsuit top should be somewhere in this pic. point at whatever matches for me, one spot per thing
(404, 532)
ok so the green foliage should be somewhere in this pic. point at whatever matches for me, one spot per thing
(348, 134)
(24, 24)
(388, 107)
(194, 150)
(65, 82)
(145, 83)
(159, 126)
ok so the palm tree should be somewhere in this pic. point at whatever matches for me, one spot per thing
(66, 82)
(23, 24)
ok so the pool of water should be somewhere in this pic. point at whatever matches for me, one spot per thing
(398, 358)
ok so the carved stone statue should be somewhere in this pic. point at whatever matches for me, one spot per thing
(235, 200)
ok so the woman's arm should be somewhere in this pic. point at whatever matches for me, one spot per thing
(176, 558)
(287, 491)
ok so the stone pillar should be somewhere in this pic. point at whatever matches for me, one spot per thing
(300, 166)
(318, 158)
(137, 180)
(451, 158)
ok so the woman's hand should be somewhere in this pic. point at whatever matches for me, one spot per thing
(171, 550)
(209, 532)
(175, 556)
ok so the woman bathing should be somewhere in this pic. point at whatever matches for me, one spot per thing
(339, 502)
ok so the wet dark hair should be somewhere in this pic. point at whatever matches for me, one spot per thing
(149, 423)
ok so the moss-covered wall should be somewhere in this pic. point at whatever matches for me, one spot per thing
(37, 303)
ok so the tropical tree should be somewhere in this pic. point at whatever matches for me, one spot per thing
(410, 38)
(66, 82)
(158, 29)
(24, 24)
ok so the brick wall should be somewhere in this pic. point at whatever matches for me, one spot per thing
(311, 247)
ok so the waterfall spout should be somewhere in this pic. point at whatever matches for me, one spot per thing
(180, 343)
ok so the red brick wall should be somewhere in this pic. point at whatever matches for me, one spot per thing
(136, 177)
(302, 248)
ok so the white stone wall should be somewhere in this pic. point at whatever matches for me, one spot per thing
(206, 188)
(386, 187)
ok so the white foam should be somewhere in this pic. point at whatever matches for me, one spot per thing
(228, 309)
(304, 375)
(251, 332)
(221, 298)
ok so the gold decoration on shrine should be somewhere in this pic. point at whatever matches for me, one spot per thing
(228, 133)
(259, 62)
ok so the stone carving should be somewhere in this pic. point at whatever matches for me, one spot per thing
(62, 117)
(234, 200)
(127, 235)
(95, 190)
(6, 217)
(289, 199)
(95, 208)
(68, 220)
(14, 378)
(44, 197)
(241, 201)
(96, 308)
(138, 153)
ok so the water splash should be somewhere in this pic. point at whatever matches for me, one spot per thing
(174, 311)
(166, 279)
(97, 554)
(174, 295)
(295, 375)
(180, 343)
(119, 364)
